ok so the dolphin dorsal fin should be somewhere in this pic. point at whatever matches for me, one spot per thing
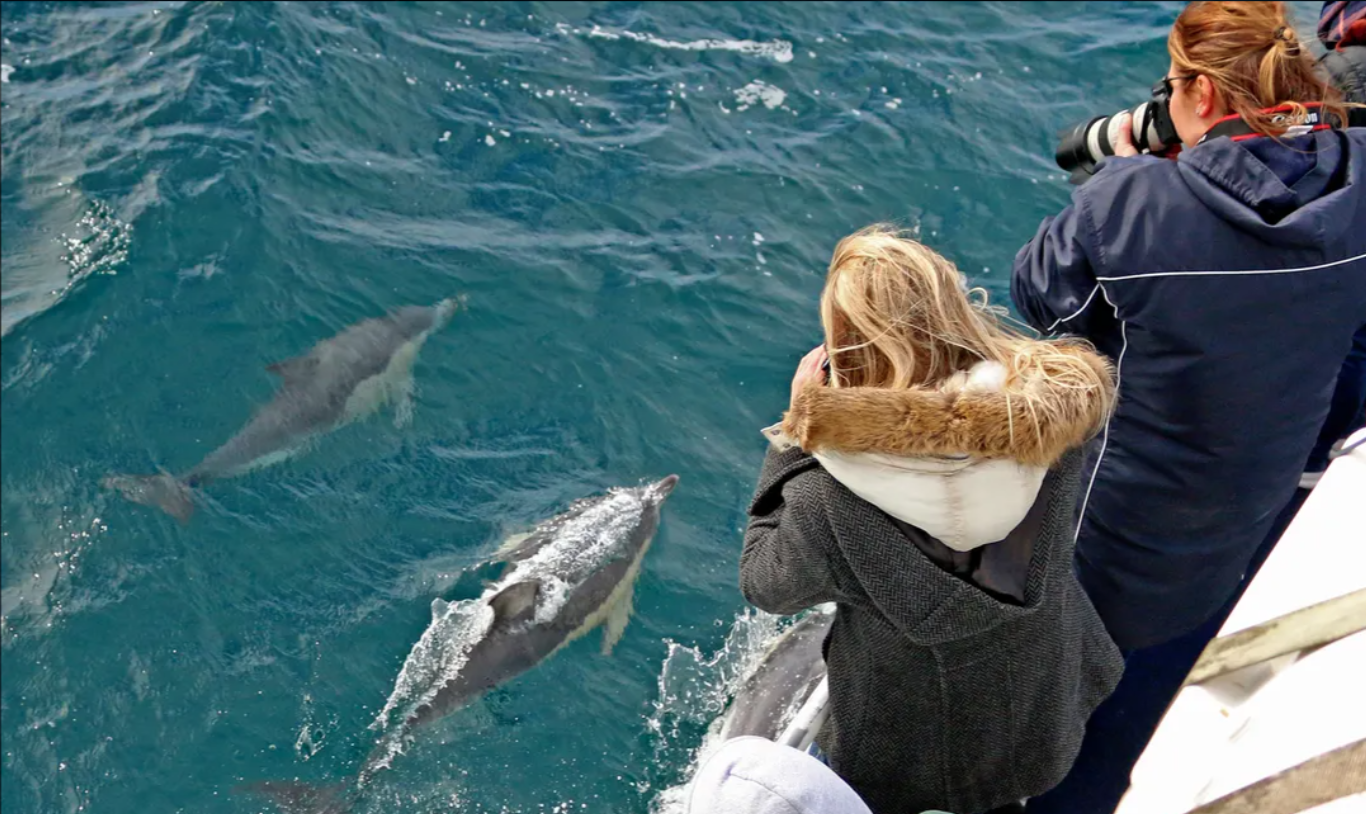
(439, 607)
(515, 603)
(293, 369)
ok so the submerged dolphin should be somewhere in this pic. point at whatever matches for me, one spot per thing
(772, 693)
(571, 574)
(341, 379)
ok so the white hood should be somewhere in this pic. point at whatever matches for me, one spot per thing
(963, 501)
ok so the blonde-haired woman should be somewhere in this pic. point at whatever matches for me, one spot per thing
(928, 487)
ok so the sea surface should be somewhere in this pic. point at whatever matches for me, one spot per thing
(638, 202)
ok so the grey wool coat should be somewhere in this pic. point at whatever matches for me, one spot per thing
(942, 696)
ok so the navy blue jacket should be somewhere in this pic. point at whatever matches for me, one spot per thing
(1347, 414)
(1227, 287)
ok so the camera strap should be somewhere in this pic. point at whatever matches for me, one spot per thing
(1235, 128)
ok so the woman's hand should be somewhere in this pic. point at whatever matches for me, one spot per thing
(811, 370)
(1124, 139)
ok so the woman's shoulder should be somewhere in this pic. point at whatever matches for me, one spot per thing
(1143, 195)
(788, 471)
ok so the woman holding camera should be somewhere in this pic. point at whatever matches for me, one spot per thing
(1226, 285)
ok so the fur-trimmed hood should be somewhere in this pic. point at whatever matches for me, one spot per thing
(962, 461)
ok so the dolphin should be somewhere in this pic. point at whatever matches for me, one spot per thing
(340, 380)
(769, 695)
(571, 574)
(780, 683)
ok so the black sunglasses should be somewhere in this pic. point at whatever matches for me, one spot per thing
(1163, 90)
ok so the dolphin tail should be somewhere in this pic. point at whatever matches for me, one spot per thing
(296, 797)
(164, 491)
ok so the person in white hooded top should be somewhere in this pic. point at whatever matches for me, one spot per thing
(928, 487)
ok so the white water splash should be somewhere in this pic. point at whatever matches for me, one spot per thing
(436, 659)
(759, 92)
(313, 733)
(554, 592)
(777, 50)
(592, 532)
(42, 270)
(5, 71)
(695, 688)
(674, 799)
(42, 590)
(98, 244)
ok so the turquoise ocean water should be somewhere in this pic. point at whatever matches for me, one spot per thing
(638, 201)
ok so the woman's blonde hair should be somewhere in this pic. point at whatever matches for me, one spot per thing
(897, 314)
(1251, 53)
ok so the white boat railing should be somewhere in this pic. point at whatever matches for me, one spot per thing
(801, 733)
(1291, 722)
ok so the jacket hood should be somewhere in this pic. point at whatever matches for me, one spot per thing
(963, 461)
(1285, 192)
(980, 413)
(962, 502)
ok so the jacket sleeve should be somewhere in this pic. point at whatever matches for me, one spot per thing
(787, 563)
(1347, 411)
(1053, 284)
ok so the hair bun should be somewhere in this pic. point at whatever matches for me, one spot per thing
(1286, 34)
